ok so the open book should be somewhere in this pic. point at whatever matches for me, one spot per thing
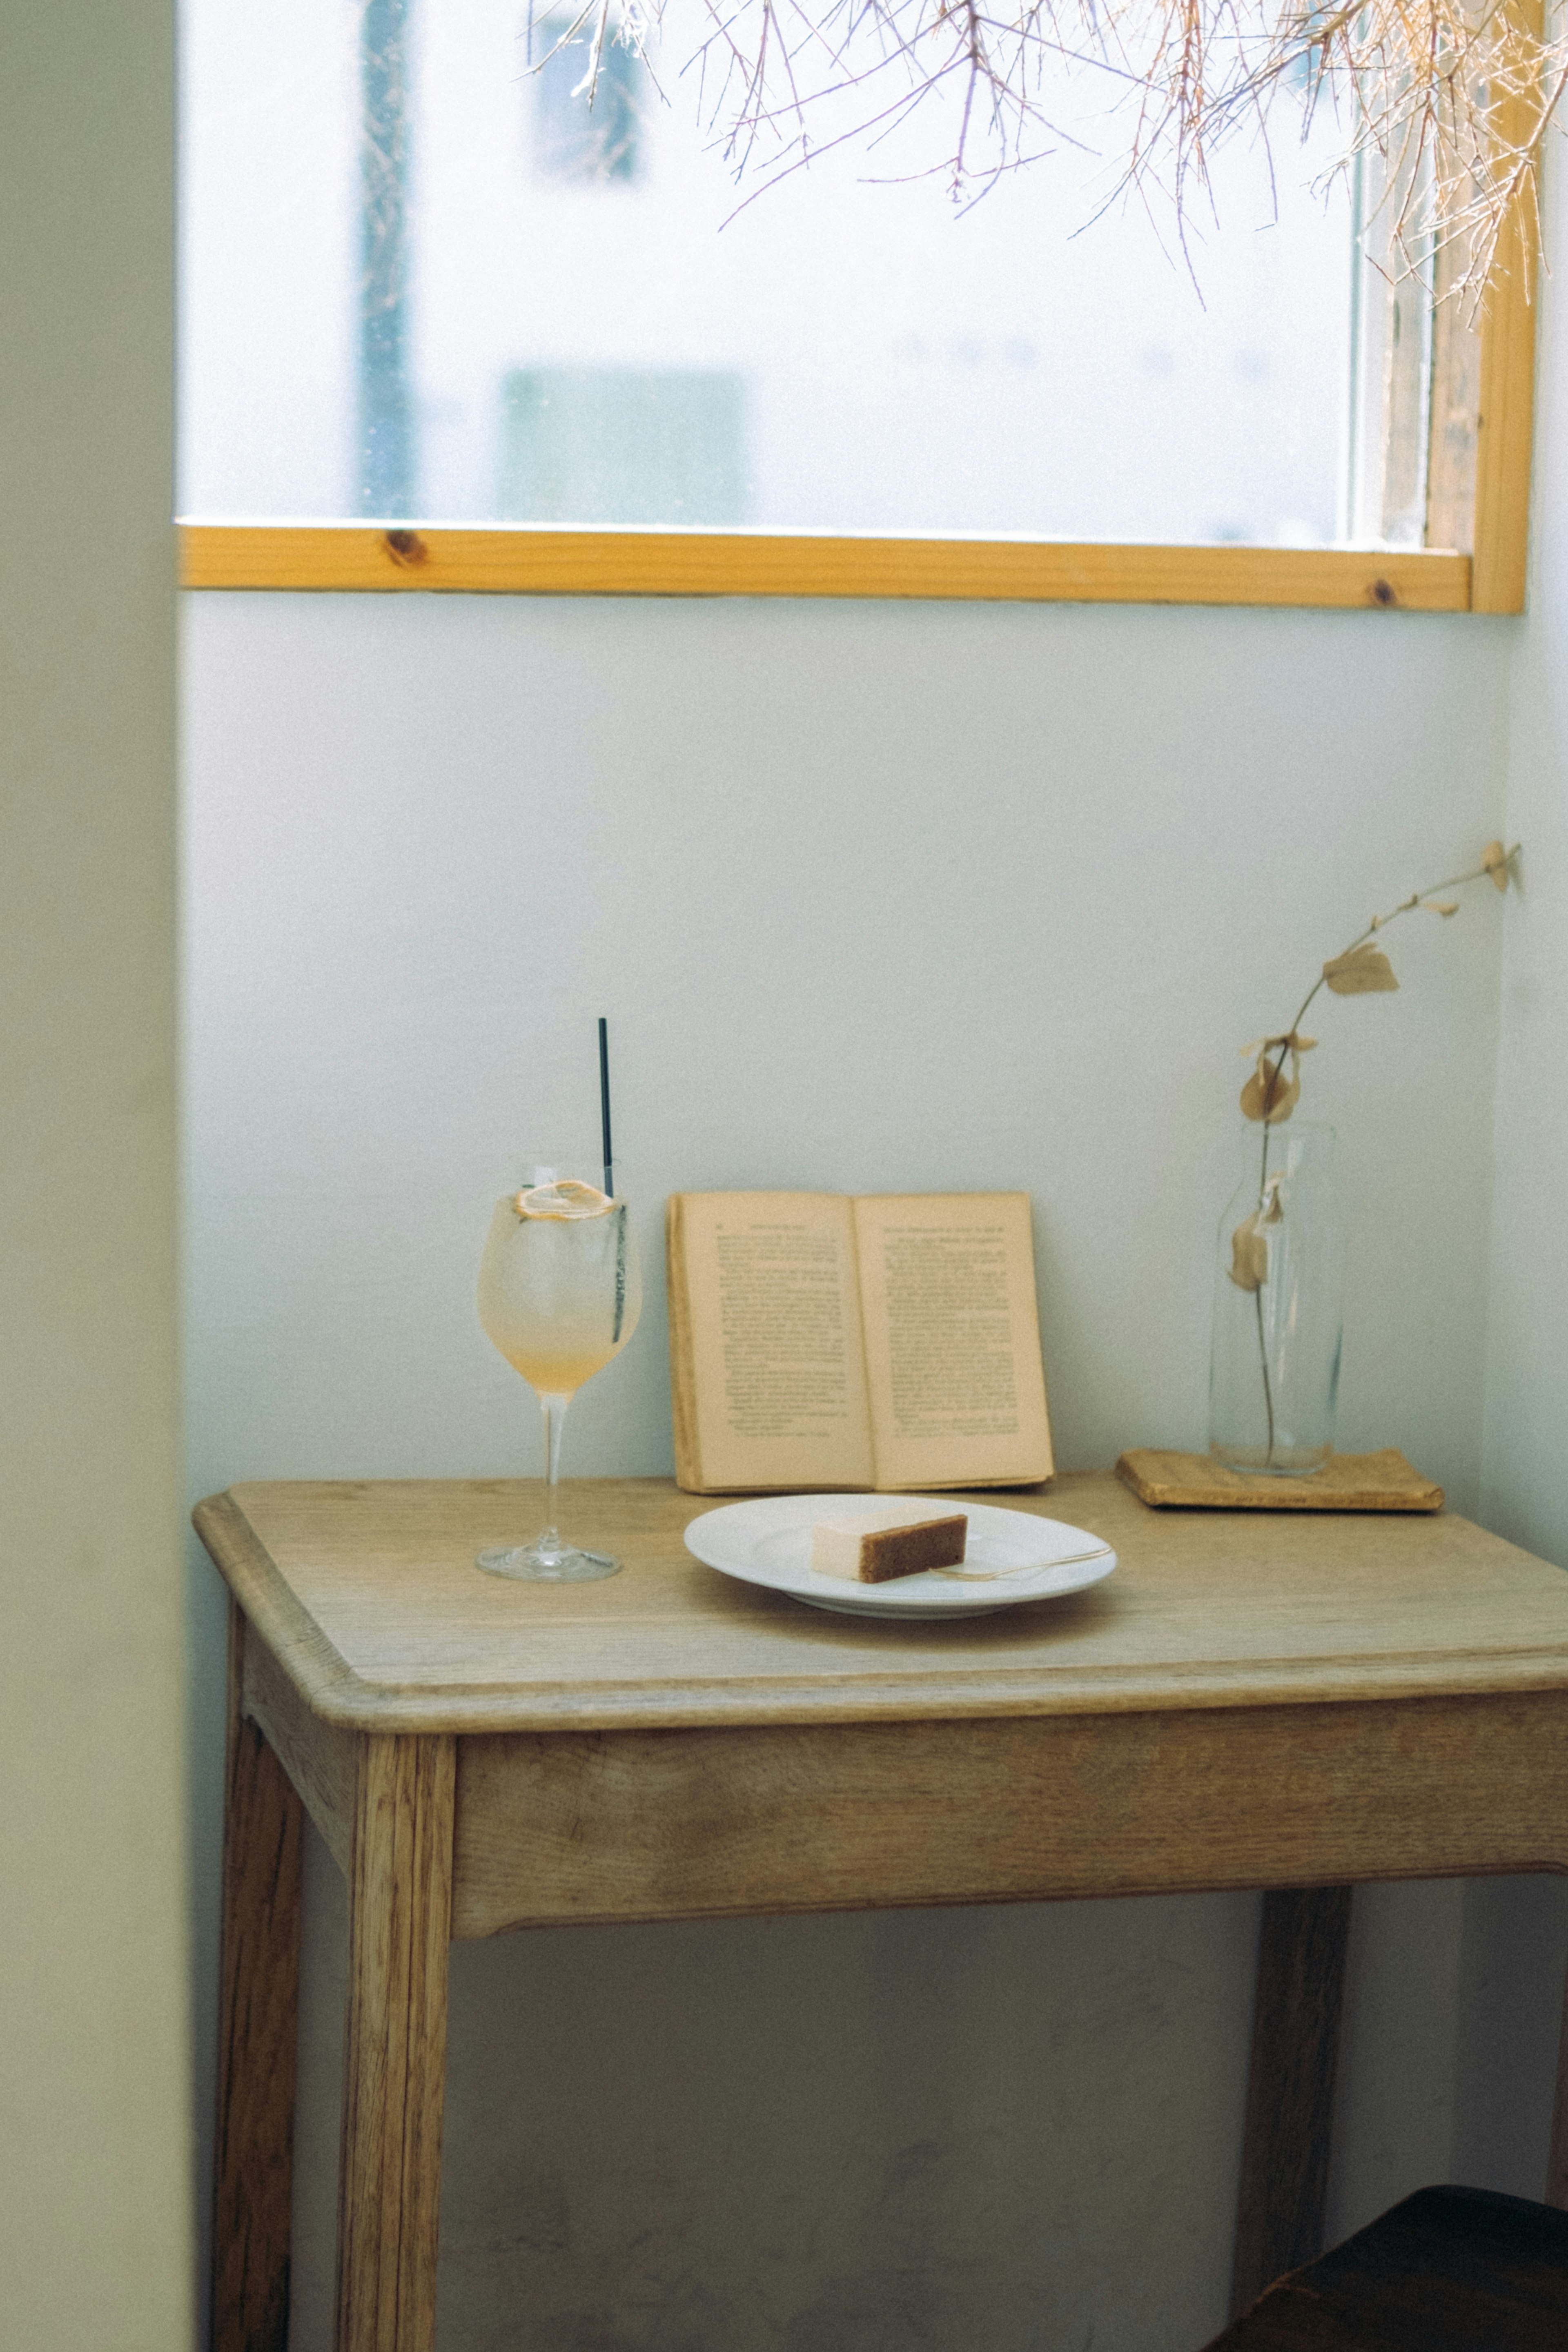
(890, 1341)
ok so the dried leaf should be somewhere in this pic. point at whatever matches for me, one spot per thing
(1269, 1093)
(1441, 906)
(1248, 1266)
(1295, 1041)
(1362, 971)
(1495, 862)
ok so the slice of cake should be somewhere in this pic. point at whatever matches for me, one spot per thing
(870, 1547)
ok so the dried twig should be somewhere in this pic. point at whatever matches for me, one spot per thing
(1452, 96)
(1361, 970)
(1269, 1096)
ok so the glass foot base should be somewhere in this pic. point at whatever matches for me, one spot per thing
(1254, 1463)
(561, 1564)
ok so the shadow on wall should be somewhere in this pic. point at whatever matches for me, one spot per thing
(854, 2134)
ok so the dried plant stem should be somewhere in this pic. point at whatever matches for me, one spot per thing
(1378, 923)
(1263, 1345)
(1272, 1082)
(1453, 98)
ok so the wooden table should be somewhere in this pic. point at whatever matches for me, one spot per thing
(1292, 1703)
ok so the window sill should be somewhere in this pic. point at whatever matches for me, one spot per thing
(542, 562)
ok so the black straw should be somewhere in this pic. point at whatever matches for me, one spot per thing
(604, 1105)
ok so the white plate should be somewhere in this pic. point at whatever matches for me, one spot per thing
(768, 1541)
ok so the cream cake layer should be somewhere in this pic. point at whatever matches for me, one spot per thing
(871, 1546)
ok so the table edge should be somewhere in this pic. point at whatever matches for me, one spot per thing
(334, 1694)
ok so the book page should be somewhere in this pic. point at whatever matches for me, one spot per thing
(953, 1339)
(682, 1396)
(777, 1392)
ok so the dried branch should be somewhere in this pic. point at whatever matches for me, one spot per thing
(1361, 970)
(1453, 98)
(1268, 1097)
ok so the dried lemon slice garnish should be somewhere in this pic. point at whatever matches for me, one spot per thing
(569, 1198)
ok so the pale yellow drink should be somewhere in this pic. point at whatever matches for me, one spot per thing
(559, 1297)
(560, 1293)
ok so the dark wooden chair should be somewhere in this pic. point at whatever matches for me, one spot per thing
(1450, 2269)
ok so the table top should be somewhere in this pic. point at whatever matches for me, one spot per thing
(367, 1593)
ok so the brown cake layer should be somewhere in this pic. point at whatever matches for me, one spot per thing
(905, 1551)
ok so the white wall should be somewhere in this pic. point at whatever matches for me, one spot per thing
(94, 2154)
(1526, 1484)
(1525, 1466)
(874, 897)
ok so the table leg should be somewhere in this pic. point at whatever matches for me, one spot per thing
(400, 1915)
(258, 2012)
(1557, 2162)
(1291, 2095)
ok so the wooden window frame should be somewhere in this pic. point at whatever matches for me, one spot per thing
(1477, 501)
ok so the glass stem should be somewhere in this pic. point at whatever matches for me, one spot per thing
(554, 1411)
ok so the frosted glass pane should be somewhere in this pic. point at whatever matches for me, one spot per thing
(624, 446)
(564, 318)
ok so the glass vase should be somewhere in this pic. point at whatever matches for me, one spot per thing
(1274, 1374)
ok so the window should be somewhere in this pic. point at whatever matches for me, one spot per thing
(623, 446)
(426, 286)
(594, 145)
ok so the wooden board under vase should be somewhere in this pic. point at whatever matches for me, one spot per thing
(1347, 1482)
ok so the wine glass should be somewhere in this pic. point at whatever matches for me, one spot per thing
(560, 1293)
